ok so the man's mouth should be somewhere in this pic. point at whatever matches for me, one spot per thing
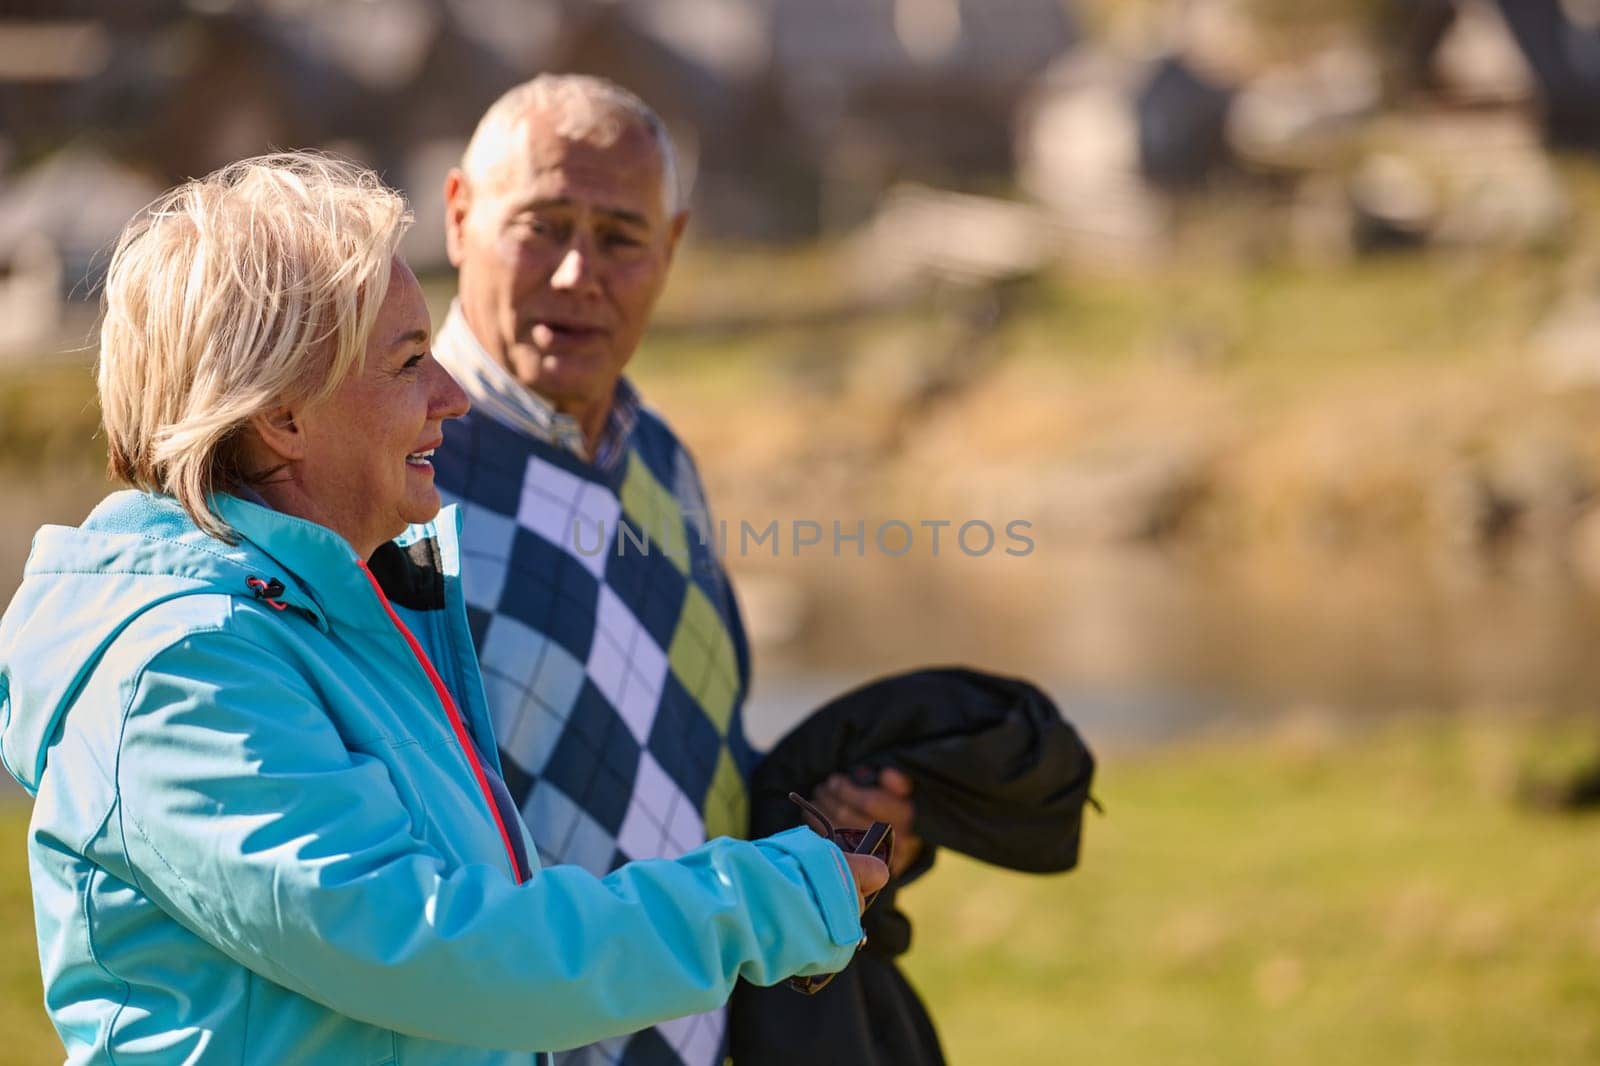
(423, 459)
(549, 330)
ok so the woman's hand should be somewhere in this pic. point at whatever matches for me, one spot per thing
(870, 873)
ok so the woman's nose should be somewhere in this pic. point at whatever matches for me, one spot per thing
(449, 399)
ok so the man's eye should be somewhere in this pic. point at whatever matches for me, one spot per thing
(535, 227)
(622, 240)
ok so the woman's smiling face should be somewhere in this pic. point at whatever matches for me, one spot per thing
(363, 468)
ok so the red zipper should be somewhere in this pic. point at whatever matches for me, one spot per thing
(467, 747)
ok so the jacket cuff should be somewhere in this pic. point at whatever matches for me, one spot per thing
(828, 876)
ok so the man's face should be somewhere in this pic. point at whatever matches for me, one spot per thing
(563, 247)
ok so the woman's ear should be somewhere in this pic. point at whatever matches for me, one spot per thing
(280, 434)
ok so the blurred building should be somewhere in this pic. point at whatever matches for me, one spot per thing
(792, 114)
(795, 117)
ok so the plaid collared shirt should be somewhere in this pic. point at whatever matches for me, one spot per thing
(496, 393)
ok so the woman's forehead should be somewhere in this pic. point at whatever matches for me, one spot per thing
(403, 315)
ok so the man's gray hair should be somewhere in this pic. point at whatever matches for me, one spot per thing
(584, 107)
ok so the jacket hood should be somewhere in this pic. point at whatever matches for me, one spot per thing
(83, 585)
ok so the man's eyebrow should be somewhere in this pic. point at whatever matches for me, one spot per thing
(633, 218)
(536, 205)
(620, 214)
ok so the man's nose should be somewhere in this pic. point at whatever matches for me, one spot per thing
(575, 271)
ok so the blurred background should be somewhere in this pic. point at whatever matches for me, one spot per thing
(1278, 323)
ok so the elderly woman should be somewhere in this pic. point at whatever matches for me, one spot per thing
(269, 825)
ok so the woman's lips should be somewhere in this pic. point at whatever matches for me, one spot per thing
(422, 458)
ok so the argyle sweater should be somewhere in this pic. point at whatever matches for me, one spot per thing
(614, 661)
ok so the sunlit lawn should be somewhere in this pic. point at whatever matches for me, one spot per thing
(1271, 326)
(1311, 901)
(1316, 901)
(1306, 898)
(28, 1039)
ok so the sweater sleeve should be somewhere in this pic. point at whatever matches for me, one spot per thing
(242, 813)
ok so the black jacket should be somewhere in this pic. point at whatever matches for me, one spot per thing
(997, 774)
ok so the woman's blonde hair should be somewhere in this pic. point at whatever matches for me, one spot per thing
(230, 295)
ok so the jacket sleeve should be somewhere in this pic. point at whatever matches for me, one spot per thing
(244, 815)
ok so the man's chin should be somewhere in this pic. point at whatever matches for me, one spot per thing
(575, 378)
(558, 368)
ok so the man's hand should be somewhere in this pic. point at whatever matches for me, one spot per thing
(870, 874)
(889, 801)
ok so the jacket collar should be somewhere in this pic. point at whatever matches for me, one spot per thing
(321, 571)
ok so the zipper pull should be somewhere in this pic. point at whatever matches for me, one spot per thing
(268, 591)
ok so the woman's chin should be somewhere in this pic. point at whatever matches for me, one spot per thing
(422, 507)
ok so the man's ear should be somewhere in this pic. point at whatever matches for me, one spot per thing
(675, 233)
(280, 435)
(457, 198)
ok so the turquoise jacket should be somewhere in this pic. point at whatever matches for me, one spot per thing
(262, 832)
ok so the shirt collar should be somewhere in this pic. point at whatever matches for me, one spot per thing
(496, 393)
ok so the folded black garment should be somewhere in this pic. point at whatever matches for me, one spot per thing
(997, 774)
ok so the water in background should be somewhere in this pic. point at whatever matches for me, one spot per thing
(1138, 647)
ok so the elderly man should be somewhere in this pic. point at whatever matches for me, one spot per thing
(611, 645)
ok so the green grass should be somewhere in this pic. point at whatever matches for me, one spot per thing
(1375, 900)
(48, 414)
(1279, 327)
(29, 1039)
(1323, 899)
(1276, 322)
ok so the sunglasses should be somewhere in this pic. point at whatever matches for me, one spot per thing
(876, 840)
